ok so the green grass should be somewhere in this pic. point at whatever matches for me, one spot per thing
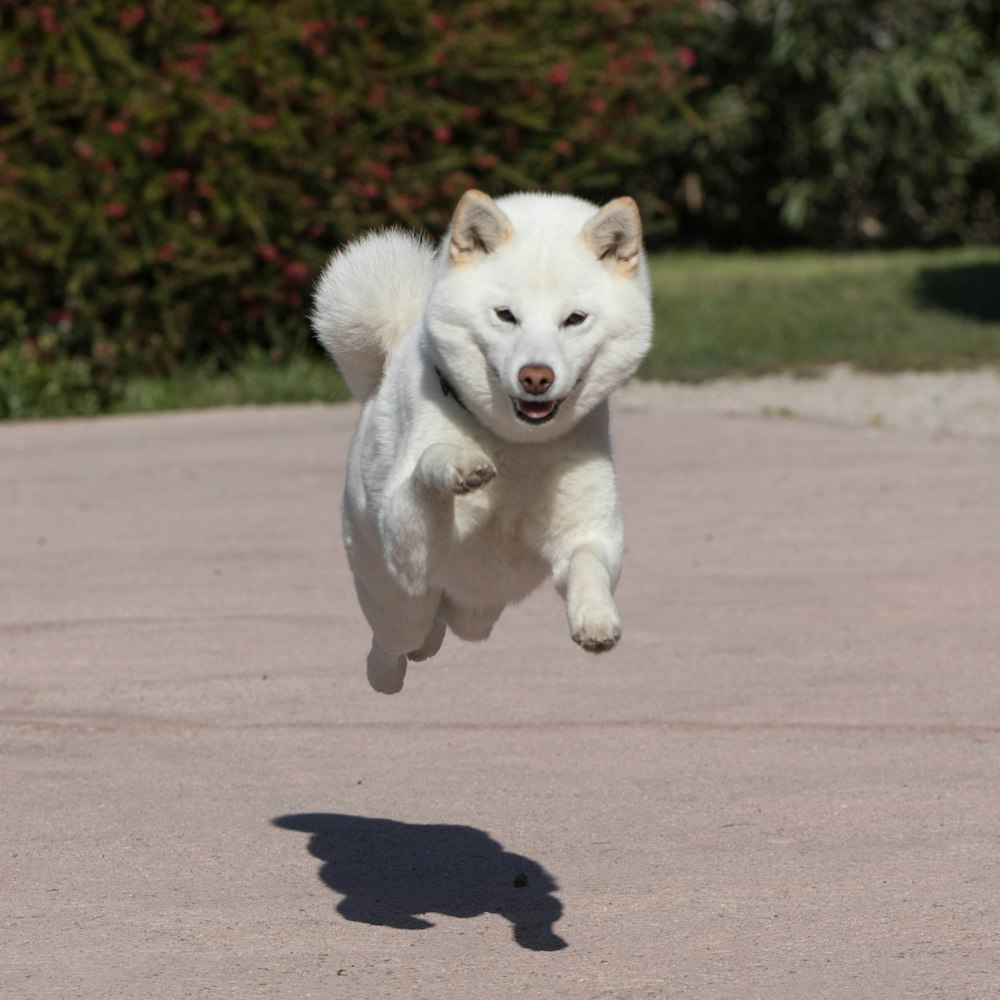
(256, 380)
(747, 314)
(716, 315)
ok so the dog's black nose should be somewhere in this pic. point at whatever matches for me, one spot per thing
(536, 379)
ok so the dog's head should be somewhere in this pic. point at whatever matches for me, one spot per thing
(540, 308)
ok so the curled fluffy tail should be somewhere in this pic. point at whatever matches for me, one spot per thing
(369, 297)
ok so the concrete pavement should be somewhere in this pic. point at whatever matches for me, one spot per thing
(785, 783)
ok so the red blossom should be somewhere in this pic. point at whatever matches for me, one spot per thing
(177, 180)
(117, 127)
(559, 74)
(260, 123)
(267, 252)
(686, 56)
(296, 272)
(154, 147)
(128, 19)
(442, 133)
(382, 171)
(115, 210)
(166, 252)
(47, 20)
(214, 21)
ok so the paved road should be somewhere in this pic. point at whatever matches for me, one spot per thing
(785, 783)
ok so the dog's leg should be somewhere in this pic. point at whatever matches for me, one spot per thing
(432, 643)
(401, 625)
(385, 671)
(417, 521)
(593, 618)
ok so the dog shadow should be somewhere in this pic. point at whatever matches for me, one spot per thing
(392, 874)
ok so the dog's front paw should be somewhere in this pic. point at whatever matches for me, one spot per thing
(469, 470)
(596, 627)
(454, 471)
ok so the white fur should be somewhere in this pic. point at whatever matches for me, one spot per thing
(449, 514)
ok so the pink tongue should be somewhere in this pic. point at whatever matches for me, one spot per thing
(536, 410)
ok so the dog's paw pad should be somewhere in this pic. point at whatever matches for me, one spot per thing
(471, 473)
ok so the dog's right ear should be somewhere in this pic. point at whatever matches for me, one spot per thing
(478, 226)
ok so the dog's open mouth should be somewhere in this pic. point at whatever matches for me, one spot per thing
(536, 411)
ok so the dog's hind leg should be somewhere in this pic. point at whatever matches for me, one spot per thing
(385, 671)
(432, 643)
(401, 625)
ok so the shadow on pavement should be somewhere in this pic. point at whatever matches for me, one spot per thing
(391, 874)
(967, 289)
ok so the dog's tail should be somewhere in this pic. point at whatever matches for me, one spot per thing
(369, 297)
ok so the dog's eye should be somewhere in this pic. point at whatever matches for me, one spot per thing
(574, 319)
(505, 314)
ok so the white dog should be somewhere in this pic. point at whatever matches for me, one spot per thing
(481, 461)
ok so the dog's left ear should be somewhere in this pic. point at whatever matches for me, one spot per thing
(615, 234)
(478, 226)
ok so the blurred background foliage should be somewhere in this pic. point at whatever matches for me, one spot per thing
(173, 174)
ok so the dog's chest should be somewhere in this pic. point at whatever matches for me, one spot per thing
(499, 535)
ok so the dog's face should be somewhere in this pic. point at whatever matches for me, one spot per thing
(540, 309)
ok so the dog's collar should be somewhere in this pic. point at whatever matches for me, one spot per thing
(449, 390)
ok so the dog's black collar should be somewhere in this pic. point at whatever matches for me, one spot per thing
(449, 390)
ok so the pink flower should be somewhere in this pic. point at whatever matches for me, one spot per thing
(267, 251)
(117, 127)
(115, 210)
(442, 133)
(296, 272)
(686, 56)
(177, 180)
(47, 20)
(559, 74)
(130, 18)
(382, 171)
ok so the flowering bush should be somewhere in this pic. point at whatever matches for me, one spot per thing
(173, 175)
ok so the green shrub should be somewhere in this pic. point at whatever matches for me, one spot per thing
(172, 175)
(847, 123)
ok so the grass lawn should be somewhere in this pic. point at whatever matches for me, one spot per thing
(717, 315)
(746, 314)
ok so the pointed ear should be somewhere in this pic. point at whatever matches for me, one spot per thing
(615, 234)
(478, 226)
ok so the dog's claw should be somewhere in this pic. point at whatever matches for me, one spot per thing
(598, 644)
